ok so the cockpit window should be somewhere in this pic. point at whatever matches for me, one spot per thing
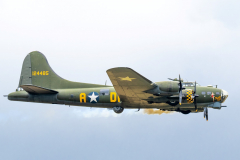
(189, 84)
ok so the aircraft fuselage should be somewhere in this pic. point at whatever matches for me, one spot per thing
(107, 98)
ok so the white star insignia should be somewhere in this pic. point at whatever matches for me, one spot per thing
(93, 97)
(126, 78)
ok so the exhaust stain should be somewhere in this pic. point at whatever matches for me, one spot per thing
(154, 111)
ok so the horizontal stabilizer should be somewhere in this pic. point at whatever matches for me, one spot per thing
(37, 90)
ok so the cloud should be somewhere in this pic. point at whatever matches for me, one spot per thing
(94, 112)
(103, 112)
(100, 112)
(82, 39)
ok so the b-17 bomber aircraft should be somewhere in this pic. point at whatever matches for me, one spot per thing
(39, 83)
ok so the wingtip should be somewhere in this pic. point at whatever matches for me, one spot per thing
(117, 68)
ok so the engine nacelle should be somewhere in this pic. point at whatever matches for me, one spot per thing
(168, 86)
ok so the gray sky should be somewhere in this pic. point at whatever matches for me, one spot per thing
(82, 39)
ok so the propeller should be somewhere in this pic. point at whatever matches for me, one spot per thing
(180, 90)
(195, 95)
(206, 113)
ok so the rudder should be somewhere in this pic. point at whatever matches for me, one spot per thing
(36, 71)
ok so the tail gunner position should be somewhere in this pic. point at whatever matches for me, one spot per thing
(39, 83)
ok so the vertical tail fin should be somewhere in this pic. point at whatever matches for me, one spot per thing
(36, 71)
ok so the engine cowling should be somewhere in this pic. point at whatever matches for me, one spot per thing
(188, 94)
(168, 86)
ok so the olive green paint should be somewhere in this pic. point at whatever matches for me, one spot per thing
(42, 85)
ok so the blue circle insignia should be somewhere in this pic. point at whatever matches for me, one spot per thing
(93, 97)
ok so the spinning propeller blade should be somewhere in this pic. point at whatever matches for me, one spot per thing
(195, 96)
(180, 90)
(180, 97)
(206, 113)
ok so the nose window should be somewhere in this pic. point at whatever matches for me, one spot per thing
(203, 93)
(217, 93)
(208, 93)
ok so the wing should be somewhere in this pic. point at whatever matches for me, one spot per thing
(130, 85)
